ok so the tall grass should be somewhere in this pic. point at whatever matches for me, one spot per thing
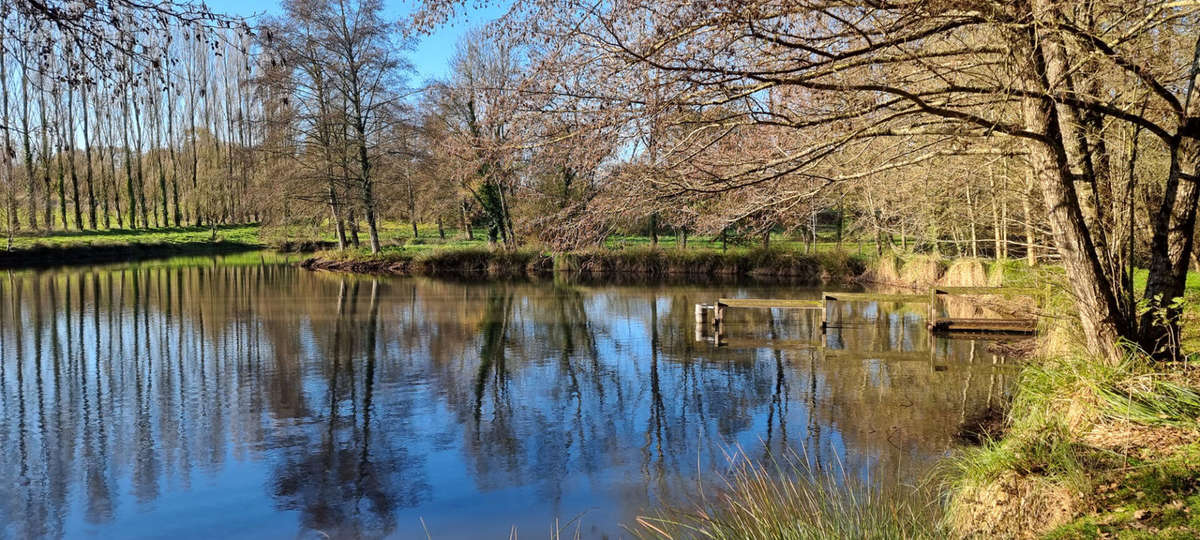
(1047, 467)
(787, 497)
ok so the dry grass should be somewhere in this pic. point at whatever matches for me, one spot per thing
(1013, 506)
(923, 270)
(965, 273)
(885, 269)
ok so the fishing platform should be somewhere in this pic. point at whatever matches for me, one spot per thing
(978, 298)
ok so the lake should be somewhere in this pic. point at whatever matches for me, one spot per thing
(248, 398)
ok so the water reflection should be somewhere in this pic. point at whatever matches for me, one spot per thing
(247, 400)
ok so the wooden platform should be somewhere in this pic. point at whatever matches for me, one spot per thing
(991, 325)
(989, 291)
(1008, 325)
(874, 297)
(996, 326)
(770, 303)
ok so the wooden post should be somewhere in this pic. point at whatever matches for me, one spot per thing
(719, 314)
(932, 319)
(824, 313)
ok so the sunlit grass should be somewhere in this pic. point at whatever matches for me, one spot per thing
(244, 234)
(787, 497)
(1077, 427)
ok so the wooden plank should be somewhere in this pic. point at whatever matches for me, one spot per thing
(875, 297)
(1021, 326)
(883, 356)
(768, 303)
(994, 291)
(756, 343)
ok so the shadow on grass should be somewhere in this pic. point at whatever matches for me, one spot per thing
(44, 256)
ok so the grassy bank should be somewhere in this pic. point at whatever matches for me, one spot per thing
(597, 262)
(1089, 450)
(395, 236)
(118, 245)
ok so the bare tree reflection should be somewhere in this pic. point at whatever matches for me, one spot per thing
(361, 402)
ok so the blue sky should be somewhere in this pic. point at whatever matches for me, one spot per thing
(432, 53)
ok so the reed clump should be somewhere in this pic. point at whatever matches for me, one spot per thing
(923, 270)
(965, 273)
(788, 497)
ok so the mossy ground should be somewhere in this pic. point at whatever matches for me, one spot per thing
(1155, 497)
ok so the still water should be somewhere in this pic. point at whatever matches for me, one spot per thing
(248, 399)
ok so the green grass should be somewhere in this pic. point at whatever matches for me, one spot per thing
(1151, 499)
(397, 236)
(239, 234)
(1081, 426)
(642, 261)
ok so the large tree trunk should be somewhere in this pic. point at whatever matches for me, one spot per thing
(1104, 324)
(1174, 227)
(1171, 245)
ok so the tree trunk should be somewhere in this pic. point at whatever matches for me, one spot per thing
(141, 177)
(70, 136)
(31, 176)
(62, 168)
(466, 223)
(653, 231)
(10, 187)
(334, 210)
(133, 201)
(87, 158)
(1100, 315)
(47, 152)
(1174, 229)
(1031, 257)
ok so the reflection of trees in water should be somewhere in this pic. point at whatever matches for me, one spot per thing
(345, 478)
(153, 375)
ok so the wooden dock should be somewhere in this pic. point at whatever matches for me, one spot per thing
(723, 304)
(768, 303)
(997, 326)
(872, 297)
(989, 325)
(941, 325)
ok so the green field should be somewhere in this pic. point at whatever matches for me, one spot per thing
(240, 234)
